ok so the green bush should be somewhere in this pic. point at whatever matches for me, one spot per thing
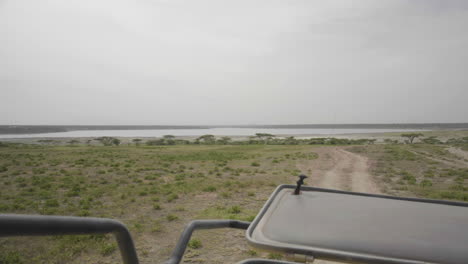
(426, 183)
(194, 244)
(11, 257)
(52, 203)
(275, 256)
(3, 168)
(107, 249)
(225, 195)
(252, 253)
(171, 217)
(410, 179)
(172, 197)
(209, 189)
(234, 209)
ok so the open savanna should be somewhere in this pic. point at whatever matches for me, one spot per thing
(157, 190)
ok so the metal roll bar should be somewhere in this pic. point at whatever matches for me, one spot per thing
(41, 225)
(184, 239)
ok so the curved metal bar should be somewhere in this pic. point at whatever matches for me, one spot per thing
(265, 261)
(184, 239)
(41, 225)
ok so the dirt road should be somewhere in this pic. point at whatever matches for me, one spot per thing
(460, 154)
(339, 169)
(335, 168)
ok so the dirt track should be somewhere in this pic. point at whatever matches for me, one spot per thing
(461, 154)
(339, 169)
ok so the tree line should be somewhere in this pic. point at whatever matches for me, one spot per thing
(264, 139)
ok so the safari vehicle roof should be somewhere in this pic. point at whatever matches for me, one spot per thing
(361, 227)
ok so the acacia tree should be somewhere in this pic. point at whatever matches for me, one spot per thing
(264, 136)
(168, 137)
(290, 141)
(115, 141)
(73, 142)
(207, 139)
(137, 141)
(224, 140)
(411, 136)
(431, 140)
(108, 141)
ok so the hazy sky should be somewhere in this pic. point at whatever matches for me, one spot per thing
(233, 62)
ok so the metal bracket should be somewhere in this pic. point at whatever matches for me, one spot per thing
(299, 183)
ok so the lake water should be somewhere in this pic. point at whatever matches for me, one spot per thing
(199, 132)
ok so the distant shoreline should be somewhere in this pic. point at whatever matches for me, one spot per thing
(37, 129)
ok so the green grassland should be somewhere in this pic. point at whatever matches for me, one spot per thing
(422, 170)
(156, 190)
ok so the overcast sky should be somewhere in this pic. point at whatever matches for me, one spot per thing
(233, 62)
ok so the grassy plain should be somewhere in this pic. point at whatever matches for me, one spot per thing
(156, 190)
(422, 170)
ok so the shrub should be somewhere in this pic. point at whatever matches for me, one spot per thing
(275, 256)
(209, 189)
(410, 179)
(194, 244)
(426, 183)
(52, 203)
(252, 253)
(171, 217)
(225, 195)
(255, 164)
(156, 227)
(234, 209)
(107, 249)
(172, 197)
(11, 258)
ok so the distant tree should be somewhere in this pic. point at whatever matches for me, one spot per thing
(137, 141)
(47, 141)
(108, 141)
(207, 139)
(253, 140)
(168, 137)
(265, 137)
(431, 140)
(170, 142)
(390, 141)
(73, 142)
(115, 141)
(411, 136)
(182, 142)
(224, 140)
(290, 141)
(156, 142)
(317, 141)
